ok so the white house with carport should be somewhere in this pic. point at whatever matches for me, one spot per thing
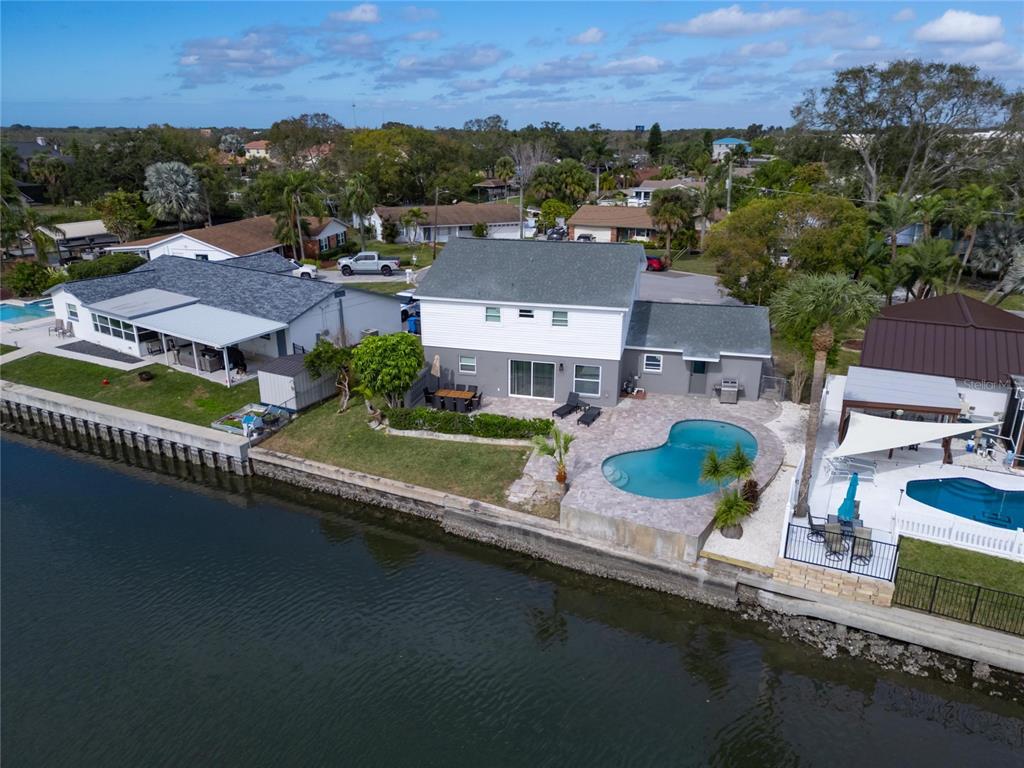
(209, 316)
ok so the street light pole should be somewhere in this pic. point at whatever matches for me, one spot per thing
(437, 196)
(519, 173)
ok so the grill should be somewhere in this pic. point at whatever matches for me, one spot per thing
(728, 391)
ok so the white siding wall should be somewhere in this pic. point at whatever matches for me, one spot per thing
(182, 245)
(591, 333)
(324, 316)
(365, 310)
(83, 328)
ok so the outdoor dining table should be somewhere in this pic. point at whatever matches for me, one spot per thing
(456, 393)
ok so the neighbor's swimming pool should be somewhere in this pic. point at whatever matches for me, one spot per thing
(973, 499)
(672, 470)
(13, 313)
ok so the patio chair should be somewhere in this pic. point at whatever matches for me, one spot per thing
(862, 547)
(816, 530)
(428, 398)
(69, 330)
(442, 403)
(57, 327)
(460, 404)
(590, 415)
(471, 387)
(572, 404)
(835, 543)
(460, 387)
(477, 400)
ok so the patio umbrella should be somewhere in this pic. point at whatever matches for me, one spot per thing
(435, 369)
(846, 509)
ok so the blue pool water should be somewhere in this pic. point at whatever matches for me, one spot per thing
(12, 313)
(672, 470)
(972, 499)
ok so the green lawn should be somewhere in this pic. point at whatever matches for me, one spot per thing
(1014, 302)
(171, 393)
(698, 263)
(404, 251)
(5, 348)
(962, 565)
(345, 440)
(387, 288)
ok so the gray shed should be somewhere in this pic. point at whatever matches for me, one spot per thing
(285, 382)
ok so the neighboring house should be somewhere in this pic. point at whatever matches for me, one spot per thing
(26, 150)
(543, 319)
(236, 238)
(250, 306)
(612, 223)
(453, 221)
(257, 149)
(80, 238)
(311, 157)
(494, 189)
(720, 148)
(641, 194)
(979, 345)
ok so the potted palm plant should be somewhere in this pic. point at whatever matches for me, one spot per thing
(557, 449)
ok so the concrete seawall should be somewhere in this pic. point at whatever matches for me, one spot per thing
(23, 405)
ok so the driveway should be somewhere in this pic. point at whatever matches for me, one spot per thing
(684, 287)
(334, 276)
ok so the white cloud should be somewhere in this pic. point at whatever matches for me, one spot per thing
(423, 35)
(907, 14)
(636, 65)
(413, 13)
(764, 50)
(591, 36)
(733, 20)
(364, 13)
(257, 53)
(466, 58)
(996, 56)
(961, 27)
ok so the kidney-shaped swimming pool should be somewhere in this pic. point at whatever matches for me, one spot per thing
(672, 470)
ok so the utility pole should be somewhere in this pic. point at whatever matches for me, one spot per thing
(728, 190)
(437, 195)
(522, 231)
(354, 116)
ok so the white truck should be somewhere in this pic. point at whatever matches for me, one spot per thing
(307, 271)
(368, 262)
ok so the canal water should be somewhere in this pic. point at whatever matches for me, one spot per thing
(152, 621)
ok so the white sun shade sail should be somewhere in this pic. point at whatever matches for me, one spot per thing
(875, 433)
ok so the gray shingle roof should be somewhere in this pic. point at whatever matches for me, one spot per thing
(262, 294)
(268, 261)
(700, 330)
(535, 272)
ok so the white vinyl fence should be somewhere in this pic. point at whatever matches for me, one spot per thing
(946, 528)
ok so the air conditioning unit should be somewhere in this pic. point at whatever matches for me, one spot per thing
(368, 332)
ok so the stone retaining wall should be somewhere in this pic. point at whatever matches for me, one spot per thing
(828, 581)
(424, 433)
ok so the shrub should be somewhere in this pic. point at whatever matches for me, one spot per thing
(479, 229)
(751, 492)
(490, 425)
(389, 230)
(28, 278)
(111, 264)
(730, 510)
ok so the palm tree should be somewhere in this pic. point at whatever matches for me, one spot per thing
(886, 278)
(819, 311)
(929, 265)
(50, 172)
(357, 199)
(411, 220)
(544, 182)
(300, 196)
(893, 214)
(738, 463)
(700, 164)
(730, 511)
(557, 449)
(974, 208)
(573, 182)
(871, 256)
(172, 191)
(33, 223)
(597, 154)
(708, 200)
(1013, 280)
(671, 211)
(504, 169)
(928, 210)
(714, 470)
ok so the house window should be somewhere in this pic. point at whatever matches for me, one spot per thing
(526, 314)
(560, 318)
(652, 363)
(587, 380)
(109, 326)
(202, 257)
(698, 367)
(467, 364)
(492, 314)
(325, 244)
(72, 312)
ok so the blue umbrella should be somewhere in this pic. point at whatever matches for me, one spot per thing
(846, 508)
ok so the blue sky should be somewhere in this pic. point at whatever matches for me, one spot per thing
(616, 63)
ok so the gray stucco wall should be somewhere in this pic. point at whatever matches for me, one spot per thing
(492, 373)
(674, 378)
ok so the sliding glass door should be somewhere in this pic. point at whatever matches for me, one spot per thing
(530, 379)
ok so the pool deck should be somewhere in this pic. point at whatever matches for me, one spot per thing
(667, 528)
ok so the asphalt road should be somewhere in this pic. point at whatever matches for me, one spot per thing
(684, 287)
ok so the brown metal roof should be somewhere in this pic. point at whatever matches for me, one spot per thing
(458, 214)
(611, 216)
(952, 335)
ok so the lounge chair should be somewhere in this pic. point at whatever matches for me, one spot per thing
(862, 547)
(816, 530)
(572, 404)
(57, 327)
(590, 415)
(834, 542)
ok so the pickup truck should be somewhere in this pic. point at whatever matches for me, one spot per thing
(368, 262)
(303, 270)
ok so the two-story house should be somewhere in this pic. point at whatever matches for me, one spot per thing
(542, 319)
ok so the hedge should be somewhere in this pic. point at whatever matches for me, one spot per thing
(491, 425)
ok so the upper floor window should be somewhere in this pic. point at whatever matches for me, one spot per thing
(492, 314)
(526, 313)
(72, 312)
(560, 318)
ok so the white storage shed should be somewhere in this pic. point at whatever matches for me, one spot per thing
(286, 383)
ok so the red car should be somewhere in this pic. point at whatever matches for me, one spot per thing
(655, 264)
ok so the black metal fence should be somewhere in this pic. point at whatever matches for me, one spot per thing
(959, 600)
(841, 551)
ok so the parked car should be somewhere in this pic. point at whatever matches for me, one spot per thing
(586, 239)
(309, 271)
(655, 264)
(368, 262)
(557, 233)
